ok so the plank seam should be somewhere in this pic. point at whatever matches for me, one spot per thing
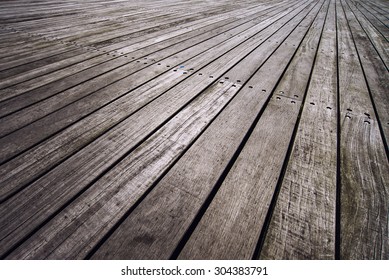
(338, 153)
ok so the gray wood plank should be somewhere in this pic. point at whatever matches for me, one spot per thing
(382, 28)
(364, 166)
(160, 217)
(379, 42)
(376, 73)
(124, 136)
(122, 48)
(230, 226)
(103, 153)
(380, 12)
(12, 144)
(138, 171)
(303, 221)
(166, 47)
(60, 49)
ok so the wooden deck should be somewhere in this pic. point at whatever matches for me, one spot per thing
(250, 129)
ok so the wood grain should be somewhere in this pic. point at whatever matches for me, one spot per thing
(303, 222)
(364, 166)
(235, 216)
(215, 130)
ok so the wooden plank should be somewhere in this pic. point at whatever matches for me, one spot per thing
(40, 45)
(375, 72)
(109, 32)
(378, 41)
(302, 224)
(160, 85)
(125, 48)
(382, 28)
(11, 144)
(61, 49)
(78, 76)
(121, 139)
(156, 21)
(234, 217)
(167, 212)
(379, 12)
(379, 6)
(252, 14)
(166, 125)
(29, 59)
(136, 51)
(17, 42)
(159, 151)
(364, 170)
(23, 66)
(129, 34)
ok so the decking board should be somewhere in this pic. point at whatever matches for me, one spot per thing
(211, 156)
(158, 89)
(303, 221)
(158, 109)
(216, 130)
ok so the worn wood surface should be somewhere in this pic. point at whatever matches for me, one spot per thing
(364, 171)
(216, 130)
(303, 221)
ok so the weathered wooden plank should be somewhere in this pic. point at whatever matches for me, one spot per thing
(106, 128)
(72, 51)
(234, 218)
(364, 170)
(154, 229)
(375, 72)
(134, 30)
(248, 15)
(302, 224)
(379, 42)
(40, 46)
(109, 199)
(126, 37)
(379, 12)
(379, 6)
(124, 48)
(136, 51)
(143, 22)
(79, 75)
(110, 32)
(36, 57)
(17, 42)
(121, 139)
(11, 144)
(382, 28)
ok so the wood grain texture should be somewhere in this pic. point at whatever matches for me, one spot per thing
(11, 145)
(159, 217)
(94, 158)
(230, 227)
(20, 170)
(379, 42)
(364, 165)
(303, 222)
(158, 129)
(372, 18)
(374, 69)
(114, 194)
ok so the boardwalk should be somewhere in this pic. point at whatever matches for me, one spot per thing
(250, 129)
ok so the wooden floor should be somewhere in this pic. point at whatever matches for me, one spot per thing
(250, 129)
